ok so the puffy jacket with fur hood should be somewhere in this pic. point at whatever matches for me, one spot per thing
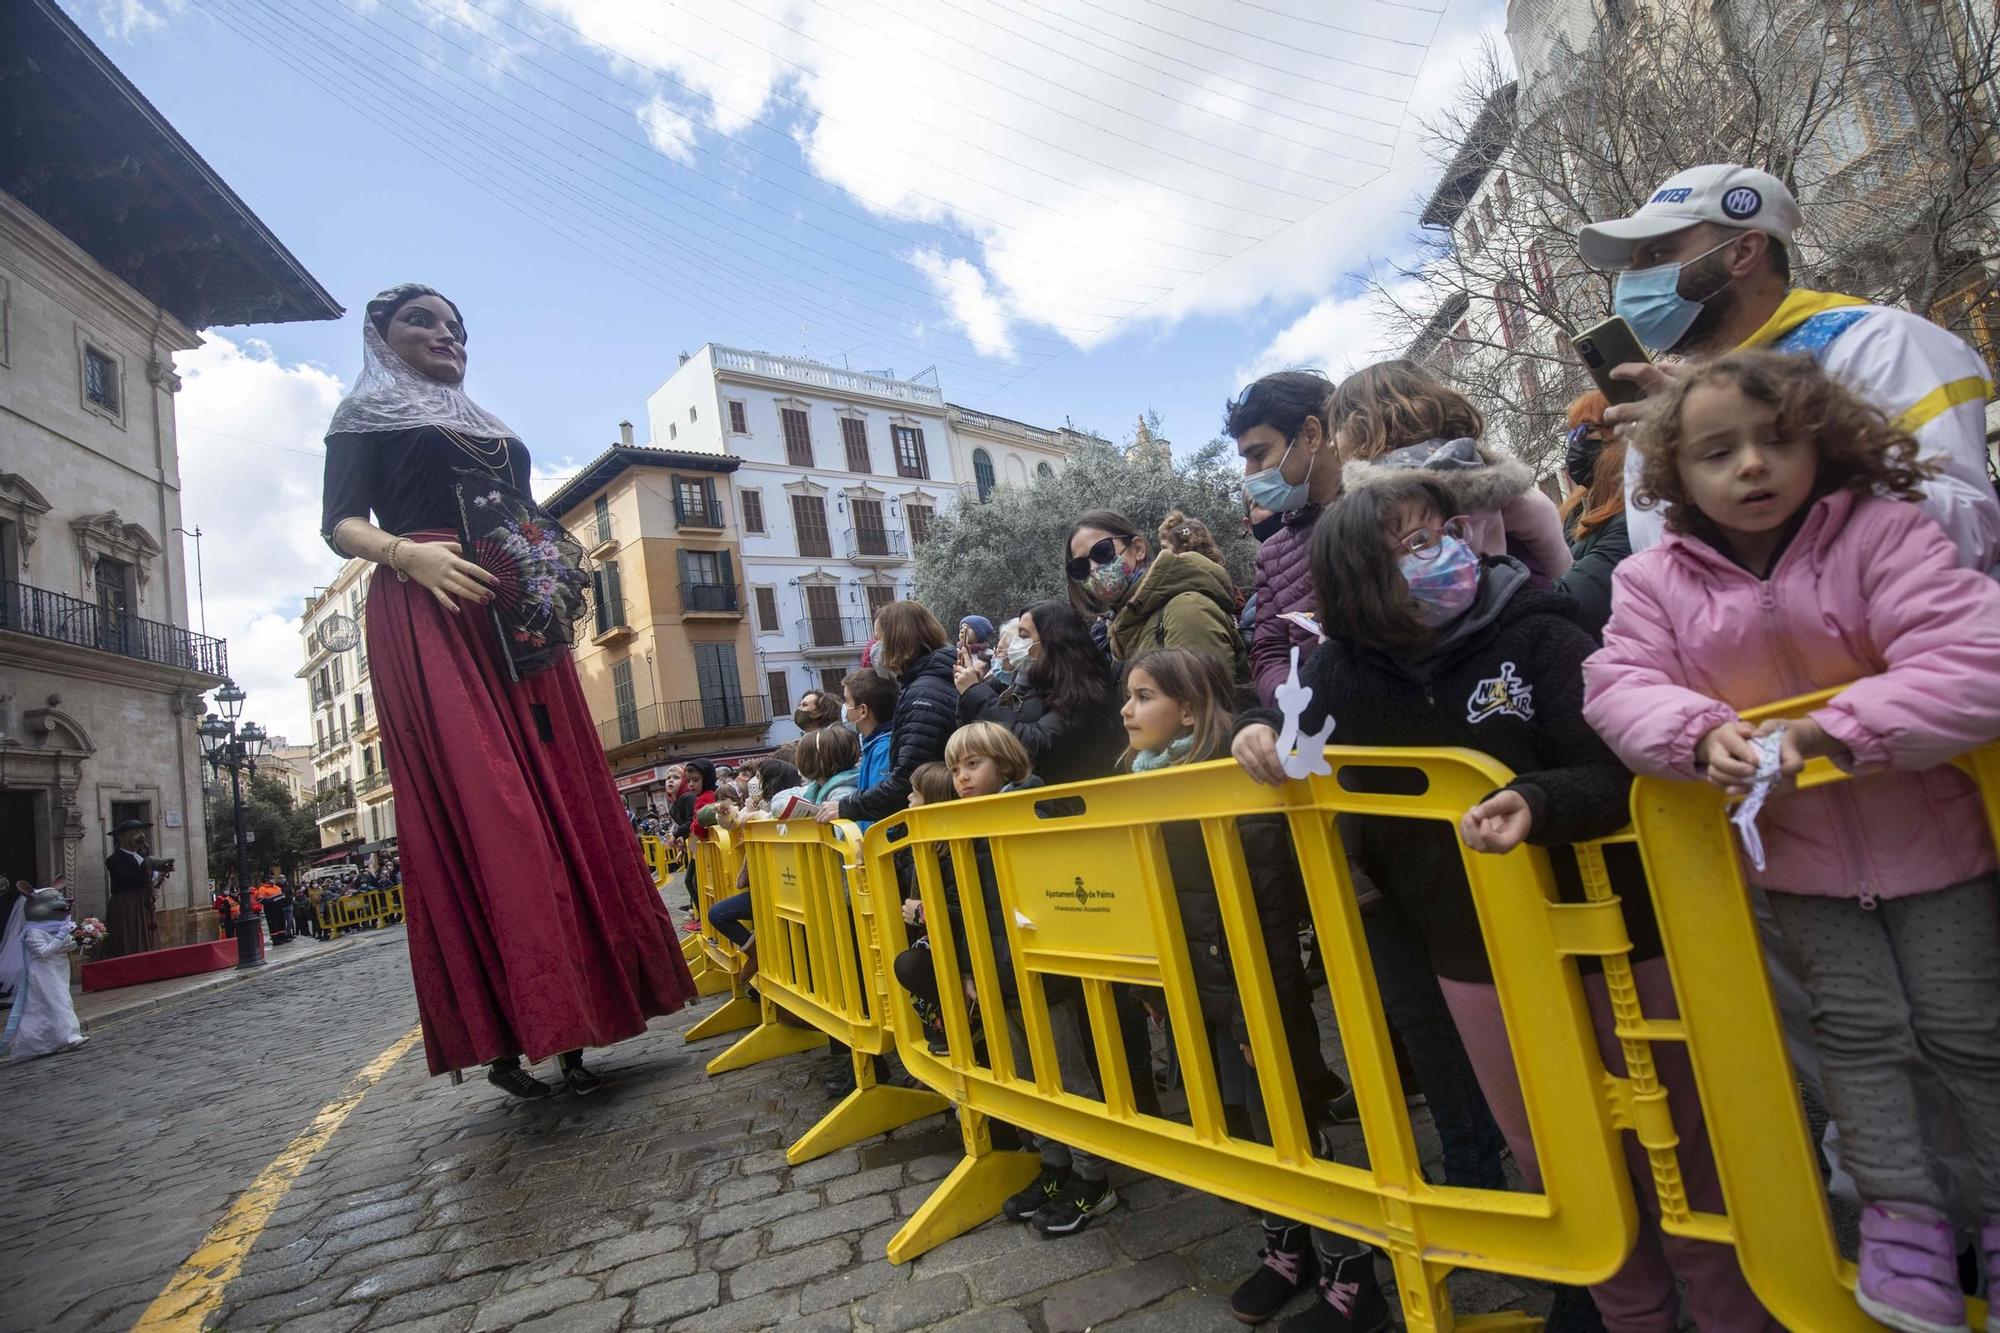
(1869, 592)
(1497, 493)
(1184, 600)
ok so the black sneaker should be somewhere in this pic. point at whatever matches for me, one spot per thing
(1289, 1267)
(1039, 1194)
(508, 1076)
(1071, 1210)
(580, 1081)
(1349, 1300)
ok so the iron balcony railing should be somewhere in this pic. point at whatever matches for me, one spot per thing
(876, 544)
(597, 530)
(680, 716)
(335, 801)
(334, 740)
(832, 632)
(52, 615)
(697, 516)
(608, 616)
(709, 597)
(379, 778)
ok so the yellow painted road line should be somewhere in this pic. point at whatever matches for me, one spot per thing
(196, 1290)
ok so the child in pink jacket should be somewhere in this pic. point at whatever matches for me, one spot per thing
(1792, 565)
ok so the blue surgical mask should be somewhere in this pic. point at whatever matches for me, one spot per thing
(1269, 489)
(1650, 300)
(1442, 587)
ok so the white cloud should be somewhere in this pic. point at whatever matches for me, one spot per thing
(973, 304)
(1099, 171)
(669, 131)
(1339, 334)
(125, 20)
(250, 429)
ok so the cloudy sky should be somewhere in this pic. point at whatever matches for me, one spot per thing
(1071, 209)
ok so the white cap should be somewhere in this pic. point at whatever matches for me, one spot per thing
(1720, 192)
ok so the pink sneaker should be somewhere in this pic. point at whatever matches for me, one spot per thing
(1909, 1269)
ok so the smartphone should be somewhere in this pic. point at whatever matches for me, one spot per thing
(1604, 346)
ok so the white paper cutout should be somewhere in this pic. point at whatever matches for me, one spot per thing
(1770, 753)
(1306, 621)
(1021, 920)
(1300, 761)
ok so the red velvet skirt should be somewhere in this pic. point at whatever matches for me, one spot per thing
(534, 926)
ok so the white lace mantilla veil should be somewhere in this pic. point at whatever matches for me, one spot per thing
(390, 395)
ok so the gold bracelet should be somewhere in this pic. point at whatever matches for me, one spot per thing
(394, 547)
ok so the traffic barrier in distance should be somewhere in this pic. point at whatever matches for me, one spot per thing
(716, 963)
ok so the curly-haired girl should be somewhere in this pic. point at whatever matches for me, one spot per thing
(1792, 565)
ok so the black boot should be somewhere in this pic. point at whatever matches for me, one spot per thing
(508, 1076)
(1289, 1267)
(580, 1081)
(1349, 1299)
(1573, 1311)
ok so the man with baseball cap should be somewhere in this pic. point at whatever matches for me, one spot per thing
(1706, 269)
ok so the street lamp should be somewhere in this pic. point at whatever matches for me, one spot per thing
(224, 746)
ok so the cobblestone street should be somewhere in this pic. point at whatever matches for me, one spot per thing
(663, 1202)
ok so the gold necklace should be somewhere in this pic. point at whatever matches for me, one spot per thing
(495, 461)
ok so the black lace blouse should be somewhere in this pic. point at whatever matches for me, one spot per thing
(406, 478)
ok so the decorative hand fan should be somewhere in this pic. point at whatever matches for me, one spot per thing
(543, 586)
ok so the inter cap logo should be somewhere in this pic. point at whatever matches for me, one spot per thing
(1674, 196)
(1741, 202)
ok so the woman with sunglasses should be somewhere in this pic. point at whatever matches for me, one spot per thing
(1147, 600)
(1431, 645)
(1594, 511)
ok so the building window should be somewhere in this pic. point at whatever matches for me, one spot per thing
(739, 422)
(1486, 213)
(798, 437)
(690, 416)
(911, 461)
(339, 682)
(694, 502)
(780, 691)
(871, 535)
(601, 511)
(753, 512)
(609, 595)
(1043, 472)
(1530, 378)
(1472, 237)
(708, 581)
(982, 473)
(721, 689)
(879, 596)
(1513, 320)
(767, 611)
(809, 521)
(830, 679)
(115, 584)
(673, 431)
(100, 380)
(627, 700)
(919, 519)
(1503, 191)
(1541, 273)
(854, 434)
(823, 616)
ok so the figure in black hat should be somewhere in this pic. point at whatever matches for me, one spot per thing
(135, 877)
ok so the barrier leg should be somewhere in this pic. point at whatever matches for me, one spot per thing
(691, 949)
(710, 980)
(970, 1195)
(733, 1016)
(872, 1108)
(767, 1041)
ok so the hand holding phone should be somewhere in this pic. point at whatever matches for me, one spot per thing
(1603, 348)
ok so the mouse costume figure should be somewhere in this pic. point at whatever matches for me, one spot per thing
(38, 939)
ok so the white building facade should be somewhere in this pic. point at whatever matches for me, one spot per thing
(989, 451)
(842, 472)
(357, 809)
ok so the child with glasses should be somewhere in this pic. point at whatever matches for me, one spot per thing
(1429, 645)
(1395, 416)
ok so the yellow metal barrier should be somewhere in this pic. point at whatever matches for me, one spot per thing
(664, 860)
(1084, 891)
(376, 907)
(717, 964)
(1777, 1211)
(819, 958)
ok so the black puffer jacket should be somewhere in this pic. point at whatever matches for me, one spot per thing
(1597, 553)
(926, 715)
(1506, 680)
(1063, 748)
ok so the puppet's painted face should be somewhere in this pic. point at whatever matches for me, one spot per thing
(50, 904)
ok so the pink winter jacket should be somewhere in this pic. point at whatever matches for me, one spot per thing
(1869, 591)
